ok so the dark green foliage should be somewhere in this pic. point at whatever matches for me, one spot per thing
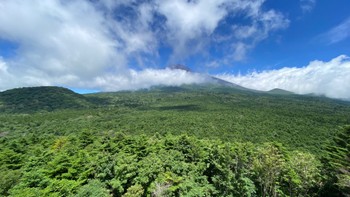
(338, 160)
(8, 179)
(230, 169)
(93, 188)
(158, 166)
(34, 99)
(206, 140)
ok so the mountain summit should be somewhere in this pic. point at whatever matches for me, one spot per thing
(179, 67)
(221, 82)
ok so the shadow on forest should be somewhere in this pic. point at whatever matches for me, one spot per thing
(179, 108)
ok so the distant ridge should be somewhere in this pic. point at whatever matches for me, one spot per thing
(280, 91)
(44, 98)
(227, 83)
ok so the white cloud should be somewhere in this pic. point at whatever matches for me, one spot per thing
(5, 76)
(144, 79)
(188, 21)
(248, 36)
(133, 30)
(191, 24)
(77, 42)
(337, 34)
(331, 78)
(307, 5)
(244, 32)
(58, 38)
(240, 50)
(82, 44)
(3, 67)
(272, 20)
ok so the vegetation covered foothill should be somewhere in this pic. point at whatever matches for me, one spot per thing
(192, 140)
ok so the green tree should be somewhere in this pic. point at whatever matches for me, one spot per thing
(230, 169)
(269, 166)
(338, 159)
(303, 173)
(93, 188)
(8, 179)
(134, 191)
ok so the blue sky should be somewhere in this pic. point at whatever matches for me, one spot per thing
(109, 45)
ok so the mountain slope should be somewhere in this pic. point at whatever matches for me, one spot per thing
(221, 83)
(279, 91)
(45, 98)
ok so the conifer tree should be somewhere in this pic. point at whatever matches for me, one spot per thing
(339, 160)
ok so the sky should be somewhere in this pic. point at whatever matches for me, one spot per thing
(109, 45)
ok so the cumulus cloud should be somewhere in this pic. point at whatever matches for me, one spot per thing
(5, 76)
(57, 39)
(331, 78)
(191, 25)
(77, 42)
(187, 21)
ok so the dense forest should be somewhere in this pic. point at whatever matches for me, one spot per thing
(192, 140)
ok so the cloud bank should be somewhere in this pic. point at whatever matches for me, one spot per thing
(331, 79)
(147, 78)
(106, 44)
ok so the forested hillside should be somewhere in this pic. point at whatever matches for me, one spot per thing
(192, 140)
(46, 98)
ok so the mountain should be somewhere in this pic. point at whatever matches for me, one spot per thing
(211, 80)
(222, 82)
(214, 84)
(280, 91)
(179, 67)
(45, 98)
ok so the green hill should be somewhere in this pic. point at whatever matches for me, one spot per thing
(280, 91)
(46, 98)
